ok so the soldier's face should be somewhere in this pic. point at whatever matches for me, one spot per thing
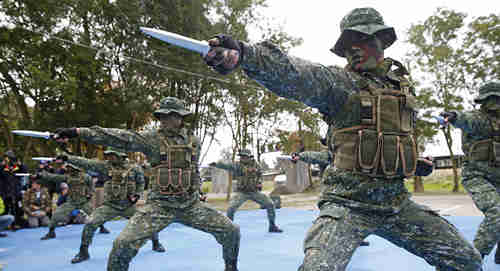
(171, 121)
(365, 54)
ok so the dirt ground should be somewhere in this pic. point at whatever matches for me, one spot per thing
(445, 204)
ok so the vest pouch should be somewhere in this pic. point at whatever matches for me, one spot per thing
(368, 151)
(390, 154)
(496, 154)
(408, 106)
(345, 150)
(480, 151)
(179, 157)
(388, 114)
(172, 181)
(408, 155)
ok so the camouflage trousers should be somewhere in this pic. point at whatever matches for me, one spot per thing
(100, 216)
(258, 197)
(483, 185)
(64, 210)
(154, 217)
(338, 231)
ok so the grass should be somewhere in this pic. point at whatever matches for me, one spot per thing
(440, 184)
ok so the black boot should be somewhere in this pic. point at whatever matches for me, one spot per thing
(364, 244)
(274, 228)
(50, 235)
(497, 255)
(231, 266)
(157, 246)
(83, 255)
(102, 229)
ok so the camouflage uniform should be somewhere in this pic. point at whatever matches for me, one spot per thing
(481, 168)
(123, 180)
(80, 192)
(42, 203)
(249, 180)
(371, 119)
(174, 194)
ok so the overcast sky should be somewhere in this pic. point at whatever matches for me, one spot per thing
(317, 23)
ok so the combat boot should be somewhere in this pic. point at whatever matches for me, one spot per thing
(364, 244)
(231, 266)
(157, 246)
(497, 254)
(50, 235)
(102, 229)
(83, 255)
(274, 228)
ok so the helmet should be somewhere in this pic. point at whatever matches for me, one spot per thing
(171, 104)
(366, 21)
(245, 152)
(115, 152)
(487, 90)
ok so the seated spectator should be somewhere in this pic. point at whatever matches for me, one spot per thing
(36, 204)
(5, 219)
(75, 217)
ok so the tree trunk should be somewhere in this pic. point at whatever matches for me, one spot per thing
(418, 185)
(455, 176)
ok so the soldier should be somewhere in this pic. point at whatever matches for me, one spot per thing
(80, 191)
(175, 184)
(481, 168)
(123, 187)
(36, 204)
(248, 187)
(369, 105)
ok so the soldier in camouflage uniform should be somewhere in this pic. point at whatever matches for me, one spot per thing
(481, 168)
(370, 108)
(36, 204)
(122, 189)
(80, 192)
(248, 187)
(174, 196)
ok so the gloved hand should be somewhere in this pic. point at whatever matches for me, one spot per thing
(225, 55)
(62, 157)
(212, 164)
(295, 157)
(62, 133)
(449, 116)
(259, 186)
(134, 198)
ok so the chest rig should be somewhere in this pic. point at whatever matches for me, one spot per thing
(382, 144)
(79, 190)
(172, 176)
(119, 186)
(487, 150)
(249, 178)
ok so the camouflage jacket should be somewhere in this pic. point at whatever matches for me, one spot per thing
(322, 159)
(80, 187)
(248, 175)
(328, 89)
(116, 192)
(30, 200)
(149, 143)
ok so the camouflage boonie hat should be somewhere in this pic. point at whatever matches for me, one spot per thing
(245, 152)
(171, 104)
(366, 21)
(487, 90)
(115, 152)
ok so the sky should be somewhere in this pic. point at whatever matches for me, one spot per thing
(317, 23)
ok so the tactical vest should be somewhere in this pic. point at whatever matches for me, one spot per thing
(172, 176)
(249, 180)
(487, 150)
(119, 186)
(79, 190)
(383, 144)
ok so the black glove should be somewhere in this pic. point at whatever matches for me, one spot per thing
(62, 157)
(223, 50)
(134, 198)
(212, 164)
(424, 168)
(451, 116)
(62, 133)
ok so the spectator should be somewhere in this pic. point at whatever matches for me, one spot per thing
(36, 205)
(5, 219)
(12, 187)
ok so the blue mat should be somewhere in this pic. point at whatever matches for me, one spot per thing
(189, 249)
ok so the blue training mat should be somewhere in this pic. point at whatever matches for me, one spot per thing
(190, 249)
